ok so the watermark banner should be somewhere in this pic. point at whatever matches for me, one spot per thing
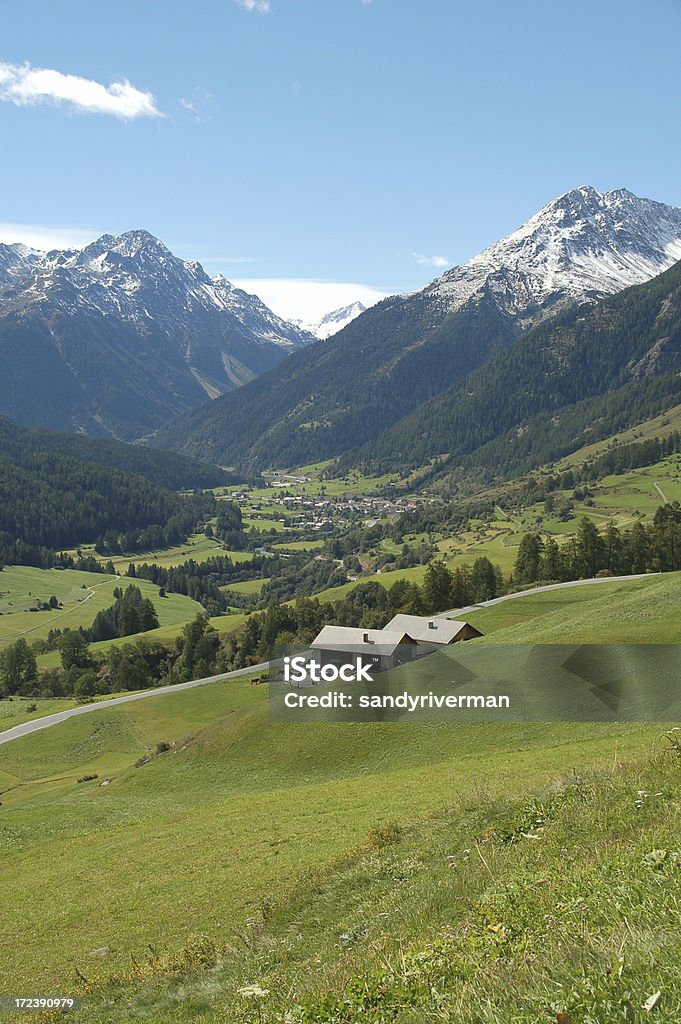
(481, 682)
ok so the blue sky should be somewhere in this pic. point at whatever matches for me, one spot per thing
(336, 141)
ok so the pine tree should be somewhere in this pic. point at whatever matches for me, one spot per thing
(527, 567)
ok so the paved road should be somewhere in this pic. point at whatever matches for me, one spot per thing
(85, 709)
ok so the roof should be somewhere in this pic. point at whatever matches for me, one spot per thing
(360, 641)
(442, 631)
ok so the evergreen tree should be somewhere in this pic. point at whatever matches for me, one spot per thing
(484, 580)
(590, 549)
(551, 561)
(437, 587)
(18, 668)
(527, 567)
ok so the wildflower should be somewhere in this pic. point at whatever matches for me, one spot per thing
(253, 992)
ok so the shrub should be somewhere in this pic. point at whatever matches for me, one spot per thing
(380, 836)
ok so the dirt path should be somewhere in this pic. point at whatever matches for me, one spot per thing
(67, 611)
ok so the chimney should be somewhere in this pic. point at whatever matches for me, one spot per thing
(431, 625)
(365, 638)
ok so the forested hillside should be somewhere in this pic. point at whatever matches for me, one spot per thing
(595, 371)
(53, 501)
(176, 472)
(339, 393)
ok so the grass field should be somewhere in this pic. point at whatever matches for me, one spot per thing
(314, 484)
(82, 595)
(633, 611)
(15, 712)
(239, 805)
(197, 546)
(299, 545)
(499, 907)
(243, 820)
(248, 586)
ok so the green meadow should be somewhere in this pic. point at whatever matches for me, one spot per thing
(226, 829)
(628, 611)
(82, 595)
(247, 586)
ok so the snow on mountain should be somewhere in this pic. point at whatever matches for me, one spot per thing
(16, 260)
(123, 335)
(135, 277)
(333, 322)
(580, 247)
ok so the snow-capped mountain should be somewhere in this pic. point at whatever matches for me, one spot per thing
(333, 322)
(401, 353)
(126, 307)
(580, 247)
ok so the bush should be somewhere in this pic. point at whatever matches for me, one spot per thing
(380, 836)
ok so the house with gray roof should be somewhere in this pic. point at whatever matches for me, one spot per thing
(433, 632)
(382, 648)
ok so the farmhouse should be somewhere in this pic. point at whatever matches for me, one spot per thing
(432, 633)
(404, 639)
(382, 648)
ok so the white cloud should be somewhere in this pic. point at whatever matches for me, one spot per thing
(25, 86)
(431, 261)
(262, 6)
(308, 300)
(48, 236)
(197, 107)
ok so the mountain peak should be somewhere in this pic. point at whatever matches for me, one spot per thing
(152, 321)
(334, 321)
(581, 246)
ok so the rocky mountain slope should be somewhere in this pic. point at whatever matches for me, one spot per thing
(404, 351)
(333, 322)
(120, 336)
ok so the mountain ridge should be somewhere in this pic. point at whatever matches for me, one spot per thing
(334, 321)
(130, 335)
(404, 351)
(574, 377)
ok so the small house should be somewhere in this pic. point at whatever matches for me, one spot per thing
(382, 648)
(432, 632)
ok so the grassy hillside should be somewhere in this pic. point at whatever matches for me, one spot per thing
(82, 595)
(634, 611)
(200, 835)
(319, 858)
(495, 908)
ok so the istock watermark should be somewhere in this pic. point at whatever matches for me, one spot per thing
(479, 682)
(301, 670)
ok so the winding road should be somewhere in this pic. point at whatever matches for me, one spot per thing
(17, 731)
